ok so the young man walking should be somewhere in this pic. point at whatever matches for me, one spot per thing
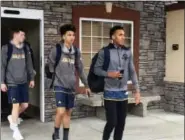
(17, 75)
(65, 78)
(120, 70)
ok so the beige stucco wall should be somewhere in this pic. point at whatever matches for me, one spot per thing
(175, 35)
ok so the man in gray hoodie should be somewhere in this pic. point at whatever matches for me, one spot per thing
(120, 70)
(65, 79)
(16, 73)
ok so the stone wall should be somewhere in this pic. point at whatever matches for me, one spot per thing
(174, 97)
(79, 111)
(152, 38)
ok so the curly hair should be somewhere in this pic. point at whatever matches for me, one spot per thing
(67, 27)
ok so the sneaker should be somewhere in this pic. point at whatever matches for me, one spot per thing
(10, 121)
(17, 135)
(55, 136)
(19, 120)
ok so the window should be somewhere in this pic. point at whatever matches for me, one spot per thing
(94, 34)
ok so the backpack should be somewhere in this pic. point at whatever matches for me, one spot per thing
(96, 83)
(31, 51)
(51, 75)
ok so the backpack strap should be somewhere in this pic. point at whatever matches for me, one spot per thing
(31, 51)
(106, 58)
(57, 60)
(9, 55)
(76, 52)
(58, 55)
(9, 52)
(26, 55)
(25, 51)
(76, 55)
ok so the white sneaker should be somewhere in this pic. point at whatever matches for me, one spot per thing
(19, 120)
(10, 119)
(17, 135)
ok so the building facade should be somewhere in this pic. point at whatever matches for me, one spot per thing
(145, 27)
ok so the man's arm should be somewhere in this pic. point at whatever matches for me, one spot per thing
(31, 70)
(52, 59)
(132, 74)
(98, 68)
(80, 69)
(3, 63)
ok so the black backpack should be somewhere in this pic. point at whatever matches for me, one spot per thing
(51, 75)
(31, 51)
(96, 83)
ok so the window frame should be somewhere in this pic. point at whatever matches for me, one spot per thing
(81, 19)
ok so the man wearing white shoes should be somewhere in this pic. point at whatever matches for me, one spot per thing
(17, 75)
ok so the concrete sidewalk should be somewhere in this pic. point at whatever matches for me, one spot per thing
(159, 125)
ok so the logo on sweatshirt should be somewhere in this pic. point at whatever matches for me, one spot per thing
(18, 56)
(68, 60)
(125, 56)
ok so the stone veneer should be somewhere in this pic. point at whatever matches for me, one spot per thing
(152, 42)
(174, 97)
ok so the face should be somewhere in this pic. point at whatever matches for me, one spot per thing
(69, 37)
(119, 37)
(19, 36)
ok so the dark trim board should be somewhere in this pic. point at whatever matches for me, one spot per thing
(176, 6)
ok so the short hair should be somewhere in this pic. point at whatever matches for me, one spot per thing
(114, 29)
(67, 27)
(15, 30)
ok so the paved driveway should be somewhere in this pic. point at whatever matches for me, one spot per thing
(159, 125)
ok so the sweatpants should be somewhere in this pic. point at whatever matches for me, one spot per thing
(116, 112)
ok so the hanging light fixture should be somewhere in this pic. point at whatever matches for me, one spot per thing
(108, 7)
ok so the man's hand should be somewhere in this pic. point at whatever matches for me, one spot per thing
(4, 87)
(32, 84)
(87, 91)
(137, 97)
(114, 74)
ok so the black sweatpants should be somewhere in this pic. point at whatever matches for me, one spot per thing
(116, 112)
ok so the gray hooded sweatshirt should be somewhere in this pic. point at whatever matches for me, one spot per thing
(120, 59)
(18, 70)
(65, 70)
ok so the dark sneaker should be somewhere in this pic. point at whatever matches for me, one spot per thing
(55, 136)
